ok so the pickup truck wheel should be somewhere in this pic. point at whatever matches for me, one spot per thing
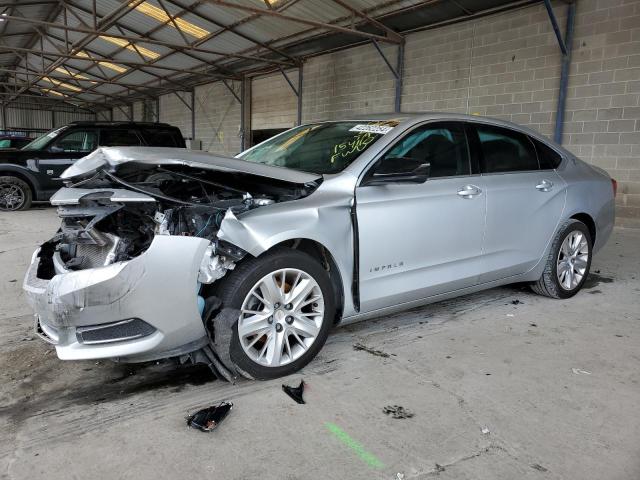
(286, 308)
(15, 194)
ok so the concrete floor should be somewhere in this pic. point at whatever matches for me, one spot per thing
(537, 389)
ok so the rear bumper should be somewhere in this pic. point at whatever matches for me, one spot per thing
(138, 310)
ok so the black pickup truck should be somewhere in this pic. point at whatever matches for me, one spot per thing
(33, 172)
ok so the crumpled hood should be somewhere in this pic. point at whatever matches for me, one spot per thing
(112, 157)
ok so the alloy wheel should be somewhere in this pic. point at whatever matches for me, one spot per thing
(281, 317)
(12, 197)
(573, 259)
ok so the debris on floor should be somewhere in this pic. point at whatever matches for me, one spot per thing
(372, 351)
(209, 418)
(577, 371)
(516, 302)
(399, 476)
(295, 392)
(485, 431)
(439, 468)
(397, 411)
(539, 467)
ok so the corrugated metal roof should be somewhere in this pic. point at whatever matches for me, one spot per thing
(204, 24)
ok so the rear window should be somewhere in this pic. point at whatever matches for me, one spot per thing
(549, 159)
(163, 137)
(505, 150)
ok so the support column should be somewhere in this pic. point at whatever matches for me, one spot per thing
(399, 78)
(193, 114)
(300, 90)
(245, 114)
(564, 73)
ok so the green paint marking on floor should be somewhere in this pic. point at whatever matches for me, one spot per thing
(367, 457)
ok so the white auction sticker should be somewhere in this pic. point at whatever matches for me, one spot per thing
(380, 129)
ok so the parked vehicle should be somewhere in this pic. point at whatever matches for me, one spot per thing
(33, 172)
(13, 142)
(248, 262)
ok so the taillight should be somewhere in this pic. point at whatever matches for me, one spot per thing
(614, 184)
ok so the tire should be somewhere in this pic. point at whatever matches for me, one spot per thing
(235, 292)
(15, 194)
(549, 284)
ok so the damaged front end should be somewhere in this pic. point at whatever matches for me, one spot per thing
(123, 277)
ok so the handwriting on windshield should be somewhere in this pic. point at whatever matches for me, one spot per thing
(355, 144)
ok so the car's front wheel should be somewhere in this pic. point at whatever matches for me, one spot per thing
(568, 262)
(286, 305)
(15, 194)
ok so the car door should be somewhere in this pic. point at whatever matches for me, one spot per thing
(524, 202)
(63, 151)
(421, 239)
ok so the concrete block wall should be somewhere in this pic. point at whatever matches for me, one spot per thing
(349, 82)
(174, 112)
(218, 118)
(273, 102)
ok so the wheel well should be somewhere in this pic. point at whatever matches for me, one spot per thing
(323, 255)
(21, 176)
(588, 221)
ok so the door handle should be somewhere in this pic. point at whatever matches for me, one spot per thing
(469, 191)
(545, 186)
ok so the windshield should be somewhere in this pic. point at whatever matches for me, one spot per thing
(42, 141)
(319, 148)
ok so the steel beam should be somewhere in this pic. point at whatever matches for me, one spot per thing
(293, 87)
(556, 28)
(386, 60)
(233, 92)
(103, 59)
(564, 73)
(143, 39)
(302, 21)
(390, 33)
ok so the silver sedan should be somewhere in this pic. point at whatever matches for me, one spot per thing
(246, 263)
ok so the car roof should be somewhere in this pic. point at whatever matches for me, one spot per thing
(98, 123)
(408, 119)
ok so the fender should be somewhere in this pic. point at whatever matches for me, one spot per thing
(8, 168)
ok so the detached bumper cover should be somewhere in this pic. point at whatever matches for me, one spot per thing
(159, 288)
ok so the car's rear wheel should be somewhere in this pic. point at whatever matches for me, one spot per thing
(286, 308)
(568, 262)
(15, 194)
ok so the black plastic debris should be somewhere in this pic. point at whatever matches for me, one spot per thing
(516, 302)
(295, 392)
(372, 351)
(397, 411)
(209, 418)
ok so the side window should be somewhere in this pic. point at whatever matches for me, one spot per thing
(548, 157)
(442, 145)
(504, 150)
(157, 137)
(5, 143)
(123, 137)
(76, 141)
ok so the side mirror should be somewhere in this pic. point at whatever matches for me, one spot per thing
(398, 170)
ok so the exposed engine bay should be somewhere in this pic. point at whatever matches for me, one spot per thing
(140, 201)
